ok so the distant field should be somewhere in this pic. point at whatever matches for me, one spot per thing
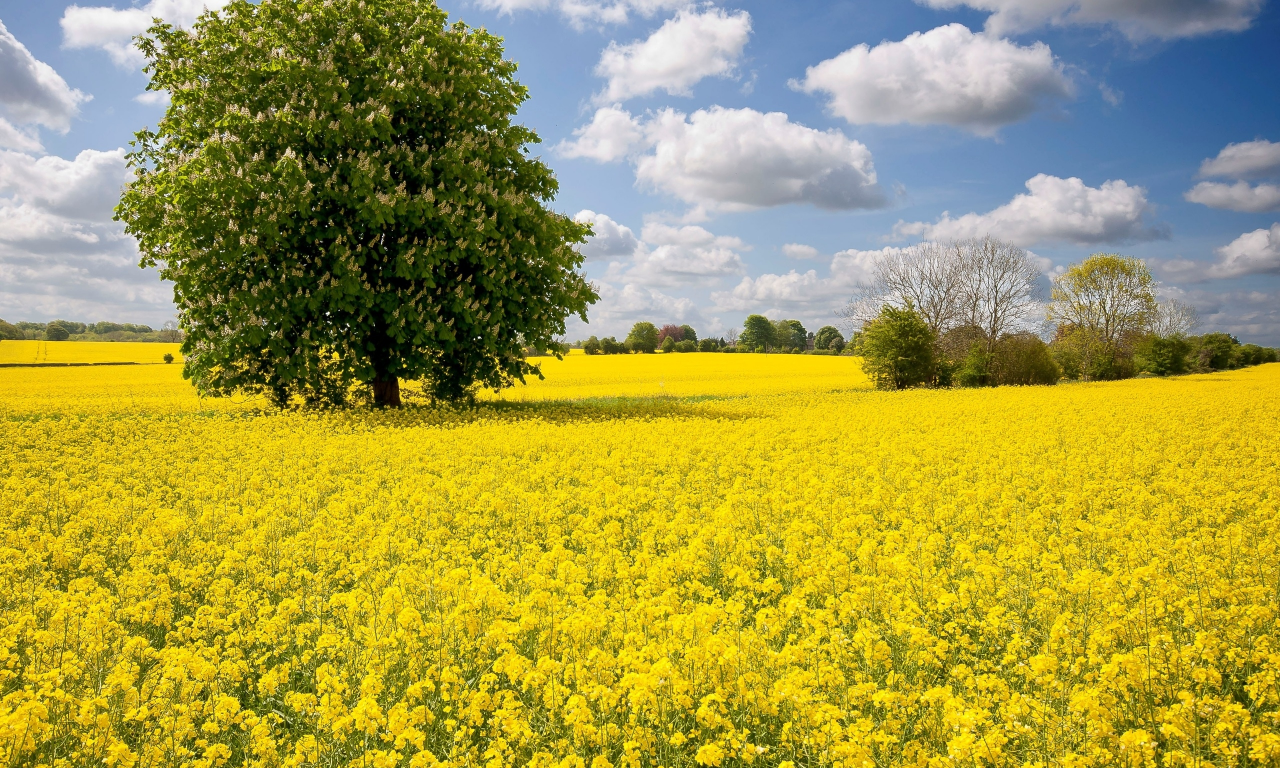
(86, 351)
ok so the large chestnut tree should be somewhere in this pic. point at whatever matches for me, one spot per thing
(342, 200)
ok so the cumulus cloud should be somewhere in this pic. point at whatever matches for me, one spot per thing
(60, 252)
(113, 29)
(1053, 210)
(947, 76)
(1246, 160)
(621, 306)
(611, 135)
(805, 295)
(684, 50)
(682, 256)
(799, 251)
(1136, 19)
(1253, 253)
(1240, 196)
(581, 13)
(609, 239)
(740, 159)
(31, 94)
(733, 159)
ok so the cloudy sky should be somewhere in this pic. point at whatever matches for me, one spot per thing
(757, 156)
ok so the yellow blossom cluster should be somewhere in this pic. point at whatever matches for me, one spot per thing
(811, 574)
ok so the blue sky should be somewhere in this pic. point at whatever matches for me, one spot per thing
(758, 157)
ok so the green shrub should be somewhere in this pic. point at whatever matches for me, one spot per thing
(686, 346)
(707, 345)
(1162, 355)
(897, 348)
(55, 332)
(591, 346)
(1022, 359)
(168, 358)
(1214, 351)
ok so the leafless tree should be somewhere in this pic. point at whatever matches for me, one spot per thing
(986, 284)
(1173, 318)
(731, 336)
(999, 288)
(170, 332)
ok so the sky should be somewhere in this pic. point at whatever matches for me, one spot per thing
(756, 157)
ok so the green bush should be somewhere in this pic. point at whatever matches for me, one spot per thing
(686, 346)
(1022, 359)
(897, 348)
(1162, 355)
(643, 337)
(591, 346)
(707, 345)
(55, 332)
(1214, 351)
(611, 346)
(669, 344)
(168, 358)
(8, 331)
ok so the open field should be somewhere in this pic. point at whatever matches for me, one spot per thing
(760, 563)
(86, 351)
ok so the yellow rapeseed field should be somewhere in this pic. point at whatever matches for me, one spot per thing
(765, 565)
(86, 351)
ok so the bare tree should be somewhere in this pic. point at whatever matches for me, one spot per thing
(1173, 318)
(999, 287)
(926, 275)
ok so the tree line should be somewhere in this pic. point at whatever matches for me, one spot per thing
(759, 334)
(964, 313)
(69, 330)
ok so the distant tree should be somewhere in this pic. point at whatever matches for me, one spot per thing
(56, 332)
(1173, 318)
(757, 331)
(1215, 351)
(1101, 306)
(731, 337)
(611, 346)
(643, 337)
(669, 344)
(591, 346)
(897, 348)
(688, 334)
(828, 337)
(8, 331)
(686, 346)
(168, 358)
(1022, 359)
(790, 334)
(670, 331)
(351, 203)
(707, 345)
(170, 332)
(1162, 355)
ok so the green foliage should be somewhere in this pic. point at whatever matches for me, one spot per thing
(643, 337)
(8, 331)
(591, 346)
(1215, 351)
(757, 332)
(688, 334)
(686, 346)
(56, 332)
(669, 344)
(974, 370)
(340, 196)
(790, 334)
(1162, 355)
(1107, 296)
(611, 346)
(168, 358)
(828, 337)
(1022, 359)
(897, 348)
(707, 345)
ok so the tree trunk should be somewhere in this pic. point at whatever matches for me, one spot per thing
(386, 394)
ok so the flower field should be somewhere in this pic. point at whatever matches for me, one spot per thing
(671, 560)
(28, 352)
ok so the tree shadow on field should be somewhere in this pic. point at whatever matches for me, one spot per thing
(584, 410)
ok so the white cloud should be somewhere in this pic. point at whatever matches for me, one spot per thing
(60, 252)
(1137, 19)
(804, 295)
(1249, 159)
(618, 308)
(682, 256)
(31, 93)
(1240, 196)
(740, 159)
(947, 76)
(1253, 253)
(799, 251)
(581, 13)
(611, 135)
(687, 48)
(1053, 210)
(113, 29)
(610, 240)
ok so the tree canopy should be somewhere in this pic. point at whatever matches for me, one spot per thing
(643, 337)
(340, 196)
(897, 348)
(757, 331)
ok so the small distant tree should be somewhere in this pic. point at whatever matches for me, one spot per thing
(688, 334)
(170, 332)
(8, 331)
(643, 337)
(1022, 359)
(168, 357)
(828, 337)
(757, 332)
(341, 195)
(1173, 318)
(707, 345)
(731, 337)
(1162, 355)
(669, 344)
(611, 346)
(591, 346)
(1103, 304)
(670, 331)
(56, 332)
(897, 348)
(1215, 351)
(790, 334)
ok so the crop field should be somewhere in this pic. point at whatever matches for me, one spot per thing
(668, 560)
(85, 352)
